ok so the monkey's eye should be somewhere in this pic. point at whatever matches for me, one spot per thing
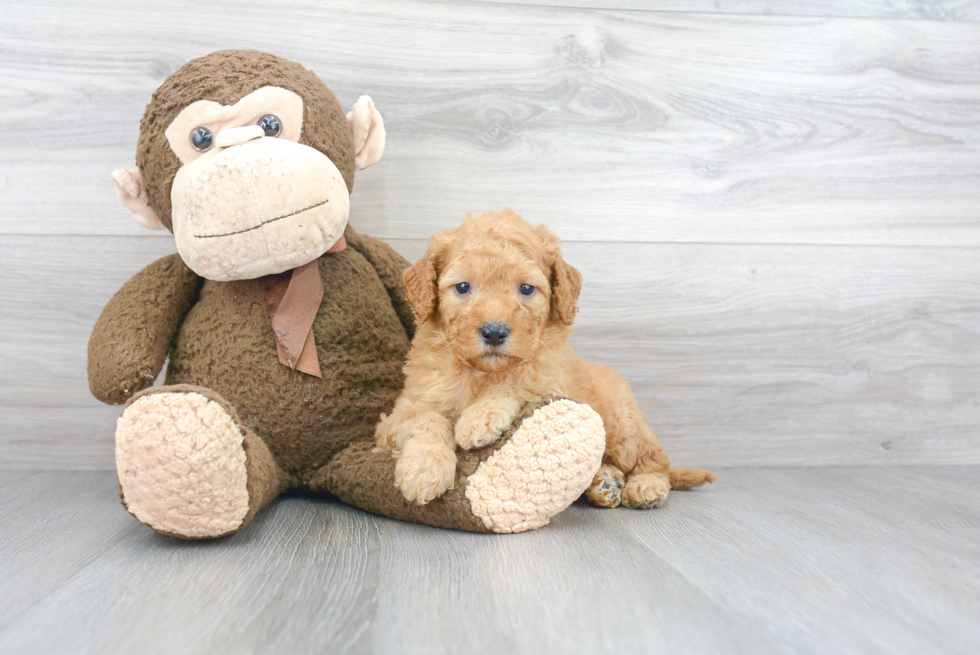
(526, 289)
(270, 124)
(463, 288)
(202, 139)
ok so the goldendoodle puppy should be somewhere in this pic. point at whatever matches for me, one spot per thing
(494, 300)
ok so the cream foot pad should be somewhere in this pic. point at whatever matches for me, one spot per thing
(547, 464)
(181, 465)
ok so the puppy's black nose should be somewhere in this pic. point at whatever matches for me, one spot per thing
(494, 334)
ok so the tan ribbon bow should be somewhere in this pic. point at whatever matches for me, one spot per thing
(294, 299)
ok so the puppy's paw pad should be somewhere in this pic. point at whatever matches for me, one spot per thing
(645, 492)
(606, 489)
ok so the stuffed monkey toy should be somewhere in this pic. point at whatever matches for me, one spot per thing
(286, 330)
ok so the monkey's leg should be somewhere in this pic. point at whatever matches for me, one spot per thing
(539, 467)
(187, 467)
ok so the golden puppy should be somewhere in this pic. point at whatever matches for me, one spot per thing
(494, 300)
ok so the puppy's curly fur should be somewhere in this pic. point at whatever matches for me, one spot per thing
(493, 300)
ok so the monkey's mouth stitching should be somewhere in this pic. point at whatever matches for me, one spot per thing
(255, 227)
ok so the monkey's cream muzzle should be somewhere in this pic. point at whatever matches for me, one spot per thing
(257, 208)
(248, 204)
(249, 199)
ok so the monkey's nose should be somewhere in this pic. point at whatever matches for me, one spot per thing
(234, 136)
(494, 334)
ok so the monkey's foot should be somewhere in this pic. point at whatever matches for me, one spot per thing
(548, 462)
(540, 466)
(181, 463)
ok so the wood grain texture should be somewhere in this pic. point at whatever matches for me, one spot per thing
(611, 125)
(815, 561)
(52, 291)
(54, 525)
(944, 10)
(862, 547)
(739, 355)
(776, 215)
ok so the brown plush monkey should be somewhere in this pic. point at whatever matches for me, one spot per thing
(286, 329)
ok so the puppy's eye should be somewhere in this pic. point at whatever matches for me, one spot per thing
(526, 289)
(463, 288)
(202, 139)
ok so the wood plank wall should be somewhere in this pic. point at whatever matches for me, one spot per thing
(775, 205)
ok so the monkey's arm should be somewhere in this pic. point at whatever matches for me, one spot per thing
(135, 331)
(389, 266)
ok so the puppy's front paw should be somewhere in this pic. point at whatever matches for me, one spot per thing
(423, 473)
(645, 490)
(480, 425)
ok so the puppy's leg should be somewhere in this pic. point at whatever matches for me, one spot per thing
(422, 443)
(484, 421)
(648, 480)
(631, 447)
(426, 466)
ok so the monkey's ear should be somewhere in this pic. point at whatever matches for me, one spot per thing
(368, 130)
(129, 188)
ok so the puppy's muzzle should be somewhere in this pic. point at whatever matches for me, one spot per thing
(494, 334)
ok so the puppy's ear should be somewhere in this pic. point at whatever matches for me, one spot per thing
(566, 281)
(566, 285)
(421, 280)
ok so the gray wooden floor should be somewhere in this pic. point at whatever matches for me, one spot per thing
(833, 560)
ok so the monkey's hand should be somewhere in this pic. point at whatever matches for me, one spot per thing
(135, 331)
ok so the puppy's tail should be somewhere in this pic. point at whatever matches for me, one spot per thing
(690, 478)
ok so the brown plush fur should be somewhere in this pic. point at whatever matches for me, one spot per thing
(462, 391)
(219, 334)
(226, 76)
(225, 343)
(134, 333)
